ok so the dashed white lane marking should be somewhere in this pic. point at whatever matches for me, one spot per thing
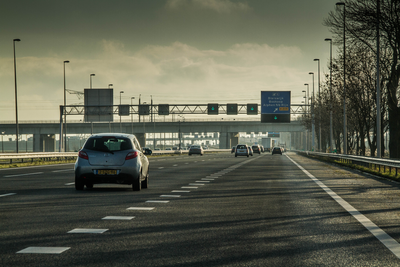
(189, 187)
(202, 181)
(63, 170)
(9, 194)
(70, 184)
(381, 235)
(125, 218)
(207, 179)
(140, 208)
(186, 163)
(170, 196)
(196, 184)
(44, 250)
(175, 165)
(157, 201)
(160, 168)
(24, 174)
(180, 191)
(87, 231)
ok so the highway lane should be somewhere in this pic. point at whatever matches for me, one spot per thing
(215, 210)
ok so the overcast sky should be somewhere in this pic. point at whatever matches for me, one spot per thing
(178, 51)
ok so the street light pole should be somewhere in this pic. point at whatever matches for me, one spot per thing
(344, 78)
(378, 90)
(305, 104)
(2, 144)
(132, 114)
(312, 113)
(331, 97)
(320, 104)
(64, 111)
(119, 109)
(16, 95)
(91, 75)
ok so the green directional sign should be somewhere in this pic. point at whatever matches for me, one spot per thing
(212, 109)
(231, 109)
(163, 109)
(144, 109)
(252, 109)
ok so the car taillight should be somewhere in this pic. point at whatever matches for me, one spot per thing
(83, 155)
(131, 155)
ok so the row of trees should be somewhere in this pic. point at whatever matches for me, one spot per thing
(361, 19)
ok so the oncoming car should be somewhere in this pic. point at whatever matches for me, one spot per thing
(111, 158)
(196, 149)
(242, 150)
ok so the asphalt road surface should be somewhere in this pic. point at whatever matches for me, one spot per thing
(211, 210)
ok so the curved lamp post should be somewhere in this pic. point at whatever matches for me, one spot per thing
(312, 113)
(319, 98)
(91, 75)
(344, 78)
(16, 96)
(65, 113)
(331, 97)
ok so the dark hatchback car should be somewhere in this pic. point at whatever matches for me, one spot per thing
(256, 149)
(276, 150)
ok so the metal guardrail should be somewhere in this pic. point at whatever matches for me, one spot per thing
(58, 155)
(369, 162)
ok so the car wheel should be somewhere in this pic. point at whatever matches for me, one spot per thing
(79, 183)
(137, 184)
(190, 154)
(145, 182)
(89, 186)
(247, 155)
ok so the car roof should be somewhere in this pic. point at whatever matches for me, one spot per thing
(112, 134)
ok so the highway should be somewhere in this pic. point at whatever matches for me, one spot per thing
(211, 210)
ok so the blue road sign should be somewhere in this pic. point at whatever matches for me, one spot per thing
(275, 102)
(275, 106)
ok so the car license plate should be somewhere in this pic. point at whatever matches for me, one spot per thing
(106, 172)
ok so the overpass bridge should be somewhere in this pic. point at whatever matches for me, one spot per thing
(45, 134)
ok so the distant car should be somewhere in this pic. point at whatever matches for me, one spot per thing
(262, 148)
(175, 148)
(233, 149)
(242, 150)
(147, 151)
(276, 150)
(256, 149)
(157, 149)
(250, 150)
(196, 149)
(168, 148)
(111, 158)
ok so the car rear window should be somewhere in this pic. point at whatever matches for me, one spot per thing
(108, 143)
(241, 147)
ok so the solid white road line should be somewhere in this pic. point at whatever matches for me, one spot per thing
(381, 235)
